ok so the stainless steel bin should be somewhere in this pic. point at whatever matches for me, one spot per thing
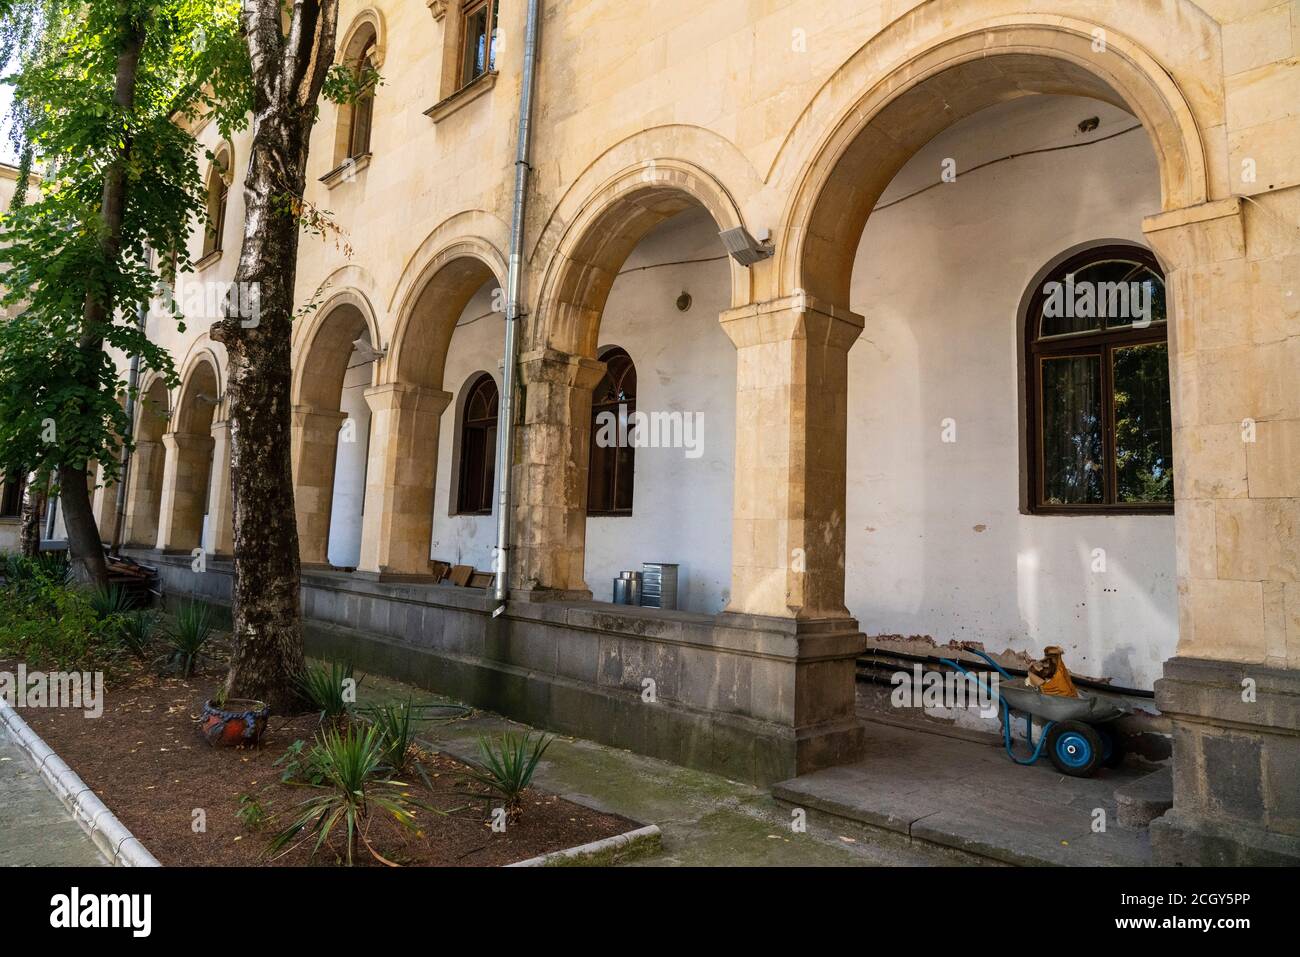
(659, 585)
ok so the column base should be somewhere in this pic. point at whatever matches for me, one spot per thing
(1236, 731)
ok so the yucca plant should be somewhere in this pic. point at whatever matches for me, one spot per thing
(509, 763)
(139, 628)
(350, 763)
(109, 601)
(397, 736)
(189, 635)
(329, 689)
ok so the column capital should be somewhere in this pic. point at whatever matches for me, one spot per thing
(792, 317)
(399, 396)
(185, 441)
(561, 368)
(1206, 233)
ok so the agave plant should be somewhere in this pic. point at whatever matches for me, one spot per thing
(397, 736)
(109, 601)
(509, 763)
(139, 628)
(329, 689)
(350, 763)
(190, 634)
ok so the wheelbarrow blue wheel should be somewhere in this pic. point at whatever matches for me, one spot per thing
(1112, 747)
(1075, 748)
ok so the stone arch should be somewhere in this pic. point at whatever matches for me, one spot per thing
(603, 230)
(366, 39)
(148, 460)
(433, 302)
(960, 71)
(324, 358)
(407, 404)
(190, 450)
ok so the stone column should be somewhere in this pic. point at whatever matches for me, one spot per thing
(400, 473)
(315, 443)
(791, 419)
(550, 476)
(143, 494)
(221, 505)
(1232, 693)
(788, 533)
(184, 493)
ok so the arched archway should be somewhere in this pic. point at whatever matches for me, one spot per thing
(144, 501)
(331, 428)
(559, 369)
(190, 449)
(407, 406)
(794, 348)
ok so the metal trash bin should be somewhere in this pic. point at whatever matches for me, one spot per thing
(627, 589)
(659, 585)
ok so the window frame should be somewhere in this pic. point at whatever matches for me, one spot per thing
(596, 409)
(1102, 344)
(365, 61)
(488, 426)
(218, 200)
(468, 9)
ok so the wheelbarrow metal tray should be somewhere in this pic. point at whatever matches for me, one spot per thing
(1094, 709)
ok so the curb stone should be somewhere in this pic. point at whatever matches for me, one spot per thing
(110, 835)
(649, 834)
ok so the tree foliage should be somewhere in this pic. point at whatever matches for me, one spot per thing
(60, 383)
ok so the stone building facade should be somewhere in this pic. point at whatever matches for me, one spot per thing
(869, 402)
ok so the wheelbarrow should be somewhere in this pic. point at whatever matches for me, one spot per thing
(1074, 733)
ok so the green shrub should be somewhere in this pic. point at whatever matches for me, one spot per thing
(327, 689)
(350, 763)
(56, 627)
(138, 631)
(397, 737)
(189, 635)
(509, 763)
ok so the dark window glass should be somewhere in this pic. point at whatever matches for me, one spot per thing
(11, 498)
(1100, 434)
(478, 448)
(613, 459)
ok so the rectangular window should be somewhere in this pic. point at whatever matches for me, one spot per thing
(479, 44)
(1072, 431)
(11, 499)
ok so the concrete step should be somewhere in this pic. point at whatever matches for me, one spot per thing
(1142, 801)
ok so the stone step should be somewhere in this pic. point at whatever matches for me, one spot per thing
(1142, 801)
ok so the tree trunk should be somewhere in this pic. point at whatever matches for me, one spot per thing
(34, 496)
(287, 76)
(85, 547)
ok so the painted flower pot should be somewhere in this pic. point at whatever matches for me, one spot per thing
(237, 722)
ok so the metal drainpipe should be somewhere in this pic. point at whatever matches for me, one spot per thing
(124, 473)
(506, 435)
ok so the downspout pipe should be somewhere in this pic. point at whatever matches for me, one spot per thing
(514, 312)
(124, 472)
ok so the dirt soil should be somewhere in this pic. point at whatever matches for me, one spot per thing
(146, 760)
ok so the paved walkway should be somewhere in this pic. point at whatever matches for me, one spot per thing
(35, 828)
(705, 819)
(969, 795)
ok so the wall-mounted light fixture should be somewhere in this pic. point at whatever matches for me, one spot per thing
(744, 247)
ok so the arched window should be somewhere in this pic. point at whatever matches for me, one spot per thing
(218, 195)
(609, 482)
(478, 448)
(363, 108)
(1100, 437)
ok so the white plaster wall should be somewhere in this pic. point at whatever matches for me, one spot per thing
(346, 509)
(476, 346)
(937, 544)
(685, 362)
